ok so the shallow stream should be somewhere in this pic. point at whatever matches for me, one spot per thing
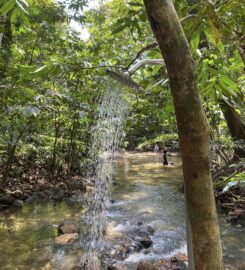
(144, 192)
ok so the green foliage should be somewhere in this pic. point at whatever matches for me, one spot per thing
(228, 182)
(47, 103)
(52, 81)
(134, 20)
(162, 140)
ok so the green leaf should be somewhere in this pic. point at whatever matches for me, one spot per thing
(40, 69)
(195, 41)
(230, 83)
(7, 7)
(27, 92)
(135, 4)
(156, 69)
(226, 90)
(119, 28)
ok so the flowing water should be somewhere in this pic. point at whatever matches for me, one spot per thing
(144, 191)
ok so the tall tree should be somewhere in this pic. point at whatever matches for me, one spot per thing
(236, 127)
(193, 133)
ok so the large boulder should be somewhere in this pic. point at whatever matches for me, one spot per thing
(68, 227)
(68, 238)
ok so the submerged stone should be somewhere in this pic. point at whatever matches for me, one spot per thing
(146, 241)
(67, 227)
(66, 238)
(150, 230)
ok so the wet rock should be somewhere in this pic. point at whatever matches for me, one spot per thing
(47, 266)
(66, 238)
(146, 241)
(150, 230)
(115, 267)
(17, 203)
(89, 188)
(75, 185)
(67, 227)
(18, 194)
(43, 186)
(182, 257)
(7, 200)
(61, 186)
(28, 191)
(171, 264)
(143, 265)
(43, 195)
(147, 251)
(77, 267)
(30, 199)
(25, 196)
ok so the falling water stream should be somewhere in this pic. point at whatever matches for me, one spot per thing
(144, 194)
(106, 137)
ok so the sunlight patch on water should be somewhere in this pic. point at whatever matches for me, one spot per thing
(135, 196)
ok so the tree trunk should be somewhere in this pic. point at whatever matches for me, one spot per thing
(193, 134)
(10, 156)
(9, 162)
(56, 134)
(72, 145)
(236, 127)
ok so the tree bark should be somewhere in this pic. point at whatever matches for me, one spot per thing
(56, 134)
(193, 134)
(72, 144)
(10, 158)
(236, 127)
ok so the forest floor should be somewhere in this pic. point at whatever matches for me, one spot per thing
(231, 198)
(29, 182)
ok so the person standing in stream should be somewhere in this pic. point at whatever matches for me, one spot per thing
(165, 157)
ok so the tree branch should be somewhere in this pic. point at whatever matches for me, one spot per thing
(146, 48)
(35, 44)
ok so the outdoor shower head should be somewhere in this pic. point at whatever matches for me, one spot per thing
(123, 79)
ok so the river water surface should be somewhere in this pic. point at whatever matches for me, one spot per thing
(144, 192)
